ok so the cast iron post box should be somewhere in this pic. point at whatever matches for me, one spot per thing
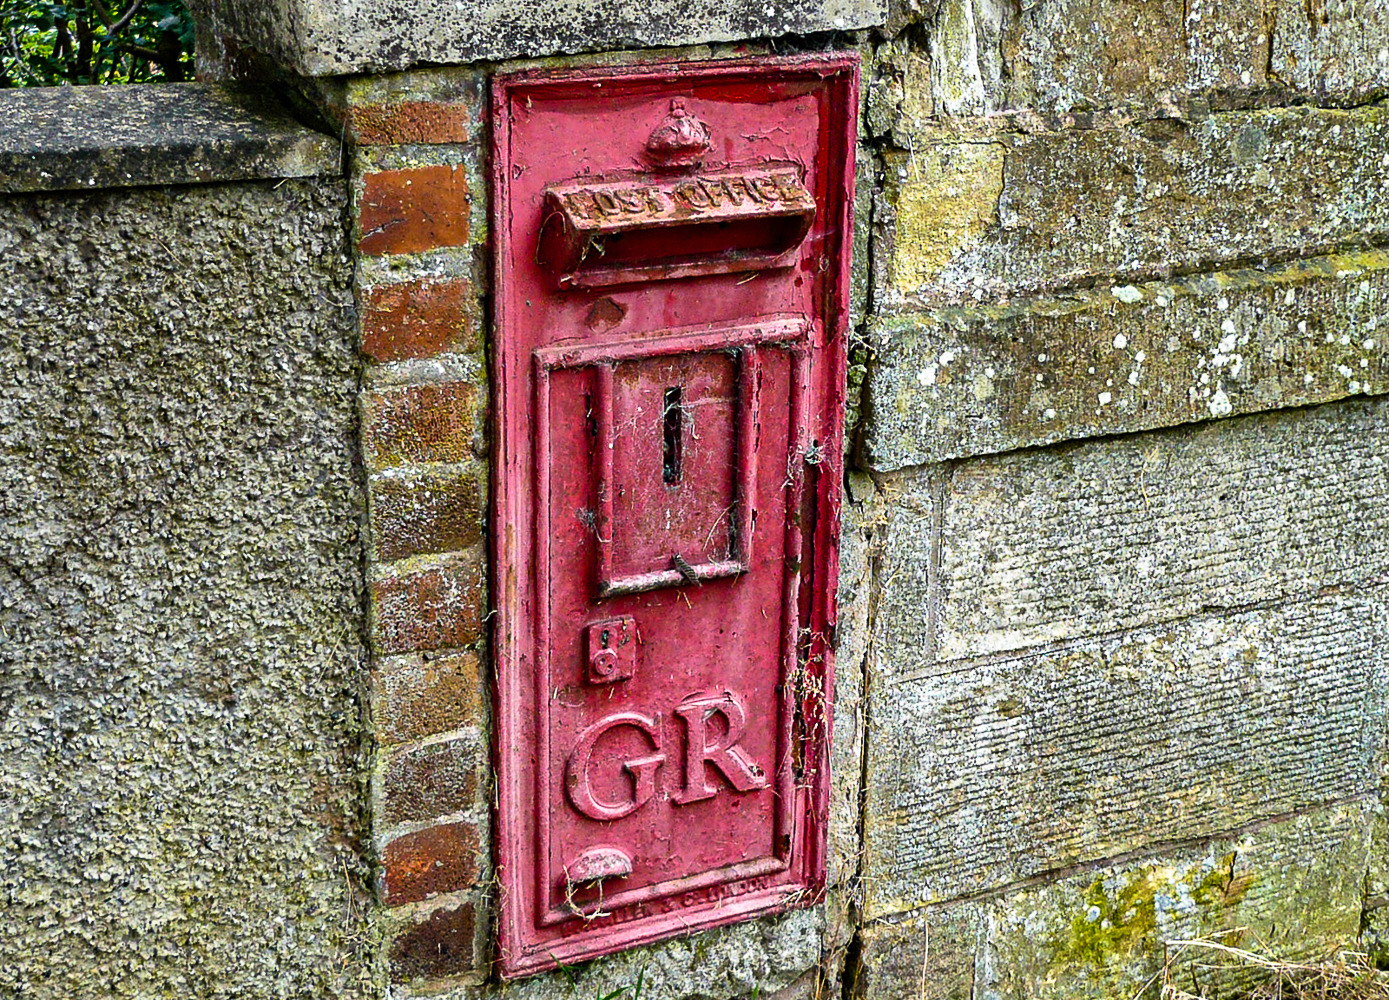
(672, 283)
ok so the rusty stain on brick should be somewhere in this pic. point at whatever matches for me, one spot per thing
(416, 122)
(415, 319)
(409, 211)
(434, 860)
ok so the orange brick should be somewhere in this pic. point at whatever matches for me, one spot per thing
(436, 608)
(409, 211)
(438, 859)
(419, 122)
(418, 696)
(442, 945)
(423, 423)
(418, 318)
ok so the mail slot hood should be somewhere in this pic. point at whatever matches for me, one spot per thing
(639, 229)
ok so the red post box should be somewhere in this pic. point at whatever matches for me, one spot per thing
(672, 281)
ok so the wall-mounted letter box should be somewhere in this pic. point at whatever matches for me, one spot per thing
(671, 296)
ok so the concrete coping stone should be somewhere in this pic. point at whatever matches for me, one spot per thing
(90, 138)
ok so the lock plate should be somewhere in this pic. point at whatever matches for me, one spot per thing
(612, 651)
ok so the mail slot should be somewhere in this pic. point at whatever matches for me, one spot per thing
(671, 281)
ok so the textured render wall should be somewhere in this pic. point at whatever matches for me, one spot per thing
(1126, 681)
(180, 596)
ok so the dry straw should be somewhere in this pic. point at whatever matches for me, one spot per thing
(1206, 970)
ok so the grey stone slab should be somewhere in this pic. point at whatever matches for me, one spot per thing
(334, 37)
(955, 382)
(1288, 889)
(1006, 214)
(86, 138)
(1052, 545)
(181, 596)
(987, 772)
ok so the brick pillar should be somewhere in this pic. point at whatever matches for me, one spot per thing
(419, 232)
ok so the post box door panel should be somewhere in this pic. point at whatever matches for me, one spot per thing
(669, 356)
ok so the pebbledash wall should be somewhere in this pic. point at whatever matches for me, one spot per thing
(1113, 646)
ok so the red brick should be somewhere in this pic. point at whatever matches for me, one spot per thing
(422, 512)
(442, 945)
(408, 211)
(423, 423)
(430, 781)
(415, 319)
(437, 859)
(438, 608)
(416, 122)
(424, 695)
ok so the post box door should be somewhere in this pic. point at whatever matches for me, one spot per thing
(671, 287)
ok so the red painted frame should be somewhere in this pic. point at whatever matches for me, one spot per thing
(816, 346)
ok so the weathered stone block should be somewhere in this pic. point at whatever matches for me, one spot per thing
(423, 423)
(1289, 889)
(424, 511)
(425, 694)
(409, 211)
(987, 771)
(414, 319)
(1048, 546)
(433, 780)
(427, 862)
(928, 956)
(1333, 51)
(1136, 201)
(956, 382)
(436, 608)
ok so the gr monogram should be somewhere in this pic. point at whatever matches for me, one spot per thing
(701, 747)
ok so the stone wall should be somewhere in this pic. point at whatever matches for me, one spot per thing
(1115, 591)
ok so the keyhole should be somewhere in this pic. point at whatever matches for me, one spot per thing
(672, 419)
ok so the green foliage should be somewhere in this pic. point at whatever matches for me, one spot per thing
(45, 44)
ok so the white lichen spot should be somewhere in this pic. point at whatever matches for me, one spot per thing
(927, 375)
(1227, 343)
(1222, 303)
(1302, 326)
(1048, 414)
(1133, 378)
(1140, 357)
(1120, 342)
(1106, 398)
(1040, 377)
(1289, 297)
(1369, 345)
(1091, 369)
(1127, 294)
(989, 372)
(1246, 77)
(1228, 326)
(947, 357)
(1344, 371)
(1219, 404)
(1354, 387)
(1364, 362)
(1042, 358)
